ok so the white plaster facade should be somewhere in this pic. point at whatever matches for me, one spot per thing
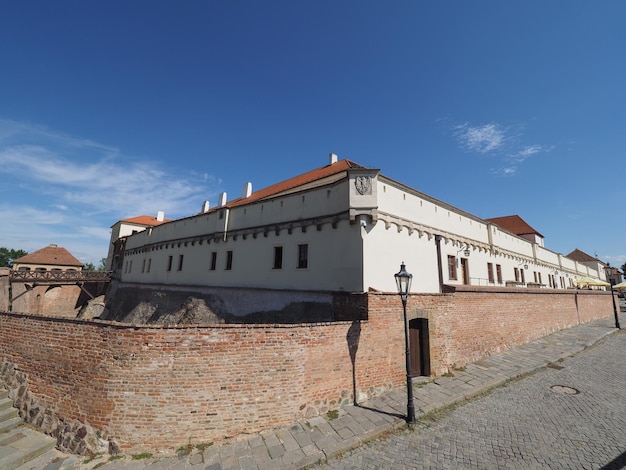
(356, 226)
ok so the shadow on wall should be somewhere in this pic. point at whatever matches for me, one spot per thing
(150, 306)
(353, 337)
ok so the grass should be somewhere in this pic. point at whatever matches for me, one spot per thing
(142, 456)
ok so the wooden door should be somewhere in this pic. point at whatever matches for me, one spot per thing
(419, 347)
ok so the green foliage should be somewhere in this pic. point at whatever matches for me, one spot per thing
(89, 267)
(92, 267)
(8, 255)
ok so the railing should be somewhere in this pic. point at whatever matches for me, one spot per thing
(59, 276)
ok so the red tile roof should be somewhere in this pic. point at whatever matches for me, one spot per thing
(514, 224)
(147, 220)
(579, 255)
(51, 255)
(303, 179)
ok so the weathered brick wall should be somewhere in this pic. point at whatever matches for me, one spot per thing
(161, 387)
(478, 322)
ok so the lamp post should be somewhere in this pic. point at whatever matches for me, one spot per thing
(607, 272)
(403, 282)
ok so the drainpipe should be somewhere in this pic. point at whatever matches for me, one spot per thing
(439, 265)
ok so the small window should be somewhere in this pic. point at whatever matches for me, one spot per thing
(451, 267)
(143, 266)
(24, 268)
(499, 273)
(539, 277)
(169, 263)
(149, 264)
(303, 256)
(213, 260)
(516, 271)
(490, 272)
(521, 271)
(229, 260)
(180, 262)
(278, 257)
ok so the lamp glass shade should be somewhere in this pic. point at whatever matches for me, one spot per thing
(403, 280)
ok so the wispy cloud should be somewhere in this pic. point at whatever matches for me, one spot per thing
(481, 139)
(57, 186)
(499, 142)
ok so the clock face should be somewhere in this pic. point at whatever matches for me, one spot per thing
(363, 184)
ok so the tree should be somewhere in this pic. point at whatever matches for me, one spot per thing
(8, 255)
(623, 268)
(92, 267)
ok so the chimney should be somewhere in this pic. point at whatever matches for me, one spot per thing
(222, 200)
(332, 158)
(205, 207)
(160, 216)
(247, 190)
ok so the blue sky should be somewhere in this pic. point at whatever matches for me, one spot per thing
(115, 109)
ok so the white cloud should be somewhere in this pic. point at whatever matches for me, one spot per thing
(497, 141)
(481, 139)
(93, 177)
(61, 189)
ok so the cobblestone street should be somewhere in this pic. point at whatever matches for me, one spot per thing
(538, 422)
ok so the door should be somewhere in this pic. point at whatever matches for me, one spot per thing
(465, 270)
(419, 347)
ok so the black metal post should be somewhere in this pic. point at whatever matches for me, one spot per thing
(608, 274)
(410, 406)
(614, 307)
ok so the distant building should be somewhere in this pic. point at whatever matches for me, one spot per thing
(515, 224)
(615, 276)
(341, 228)
(50, 258)
(126, 227)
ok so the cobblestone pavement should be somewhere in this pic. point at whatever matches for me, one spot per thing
(571, 414)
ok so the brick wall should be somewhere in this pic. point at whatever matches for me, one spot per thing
(163, 387)
(478, 322)
(160, 387)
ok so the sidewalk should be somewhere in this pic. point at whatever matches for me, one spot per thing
(315, 440)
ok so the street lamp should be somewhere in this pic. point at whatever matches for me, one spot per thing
(607, 272)
(403, 282)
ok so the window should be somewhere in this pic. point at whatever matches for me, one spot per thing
(451, 267)
(303, 256)
(143, 266)
(535, 276)
(539, 276)
(490, 272)
(213, 260)
(278, 257)
(180, 262)
(521, 271)
(499, 273)
(169, 263)
(516, 271)
(229, 260)
(149, 264)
